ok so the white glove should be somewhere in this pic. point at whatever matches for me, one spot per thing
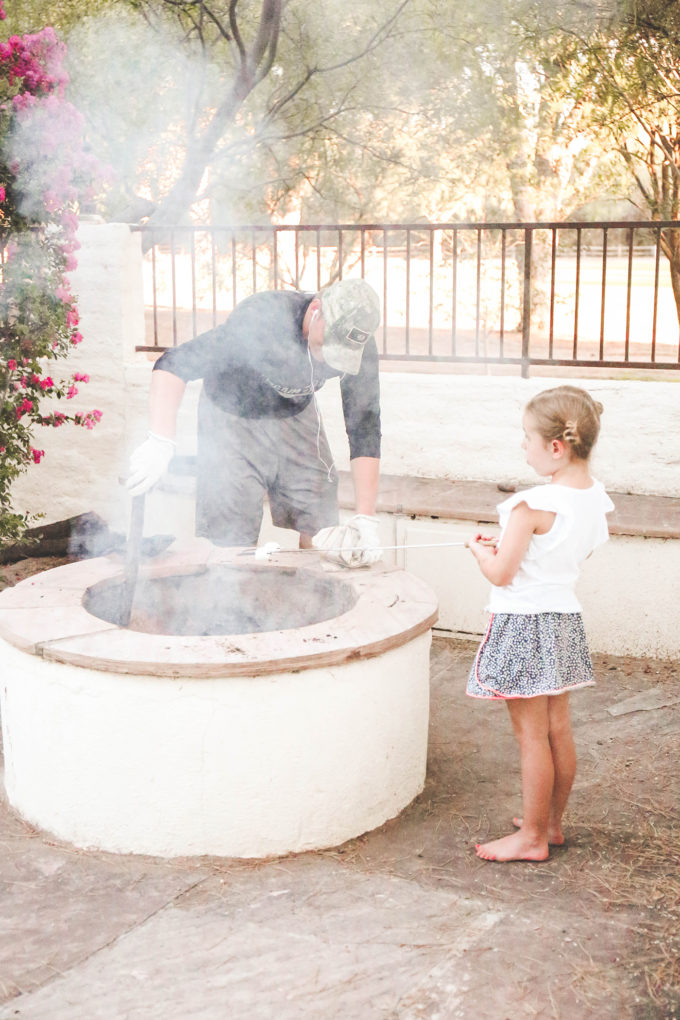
(355, 544)
(148, 463)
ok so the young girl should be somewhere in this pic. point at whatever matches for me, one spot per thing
(535, 649)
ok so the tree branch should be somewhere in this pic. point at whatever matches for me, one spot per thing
(236, 34)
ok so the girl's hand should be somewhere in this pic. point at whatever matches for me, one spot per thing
(489, 541)
(500, 564)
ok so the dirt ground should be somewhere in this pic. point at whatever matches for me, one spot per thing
(403, 922)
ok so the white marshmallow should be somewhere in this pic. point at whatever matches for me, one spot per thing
(265, 551)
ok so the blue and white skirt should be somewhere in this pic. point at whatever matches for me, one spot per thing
(523, 656)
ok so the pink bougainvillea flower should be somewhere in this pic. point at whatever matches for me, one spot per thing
(88, 420)
(80, 377)
(71, 392)
(76, 338)
(70, 223)
(37, 455)
(24, 406)
(2, 193)
(11, 364)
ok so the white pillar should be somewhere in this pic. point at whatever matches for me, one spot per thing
(81, 468)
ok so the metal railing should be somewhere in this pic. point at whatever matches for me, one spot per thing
(582, 295)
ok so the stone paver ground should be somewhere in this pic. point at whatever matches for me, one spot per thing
(404, 922)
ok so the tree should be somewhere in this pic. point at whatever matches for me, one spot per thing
(632, 77)
(513, 95)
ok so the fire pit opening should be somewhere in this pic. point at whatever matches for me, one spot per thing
(224, 599)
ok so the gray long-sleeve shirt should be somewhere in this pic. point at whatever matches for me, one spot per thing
(257, 364)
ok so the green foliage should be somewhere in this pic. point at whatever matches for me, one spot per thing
(29, 16)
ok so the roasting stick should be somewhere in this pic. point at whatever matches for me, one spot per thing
(264, 552)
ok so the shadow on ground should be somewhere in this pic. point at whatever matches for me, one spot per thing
(404, 922)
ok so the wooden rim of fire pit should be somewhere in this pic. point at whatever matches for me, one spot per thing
(44, 616)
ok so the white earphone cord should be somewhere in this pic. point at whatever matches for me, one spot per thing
(329, 467)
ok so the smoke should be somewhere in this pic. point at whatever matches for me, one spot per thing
(225, 600)
(146, 92)
(137, 89)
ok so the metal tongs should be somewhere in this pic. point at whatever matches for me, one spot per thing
(133, 554)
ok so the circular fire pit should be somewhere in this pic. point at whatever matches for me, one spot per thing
(249, 709)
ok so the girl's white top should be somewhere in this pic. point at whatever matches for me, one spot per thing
(548, 573)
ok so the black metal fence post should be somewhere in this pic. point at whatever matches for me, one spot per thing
(526, 303)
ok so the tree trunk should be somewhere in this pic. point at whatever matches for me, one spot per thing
(254, 66)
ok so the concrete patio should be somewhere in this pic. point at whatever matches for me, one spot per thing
(403, 922)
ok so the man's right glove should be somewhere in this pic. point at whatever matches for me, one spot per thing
(148, 463)
(355, 544)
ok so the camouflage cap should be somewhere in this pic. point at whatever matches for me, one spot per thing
(351, 314)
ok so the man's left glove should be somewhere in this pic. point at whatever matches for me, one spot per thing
(148, 463)
(355, 544)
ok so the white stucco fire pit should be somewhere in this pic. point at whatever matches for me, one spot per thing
(249, 709)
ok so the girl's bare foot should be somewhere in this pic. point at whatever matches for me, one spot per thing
(555, 834)
(515, 847)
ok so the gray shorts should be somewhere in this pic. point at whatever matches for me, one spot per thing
(242, 459)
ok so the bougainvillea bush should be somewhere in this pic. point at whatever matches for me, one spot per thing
(44, 173)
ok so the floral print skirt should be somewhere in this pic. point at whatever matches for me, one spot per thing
(525, 655)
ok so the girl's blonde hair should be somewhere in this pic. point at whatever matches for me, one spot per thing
(570, 414)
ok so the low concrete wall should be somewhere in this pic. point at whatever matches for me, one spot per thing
(628, 588)
(434, 425)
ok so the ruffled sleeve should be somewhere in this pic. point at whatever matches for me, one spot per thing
(605, 506)
(541, 497)
(564, 502)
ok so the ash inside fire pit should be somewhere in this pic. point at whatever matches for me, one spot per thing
(224, 600)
